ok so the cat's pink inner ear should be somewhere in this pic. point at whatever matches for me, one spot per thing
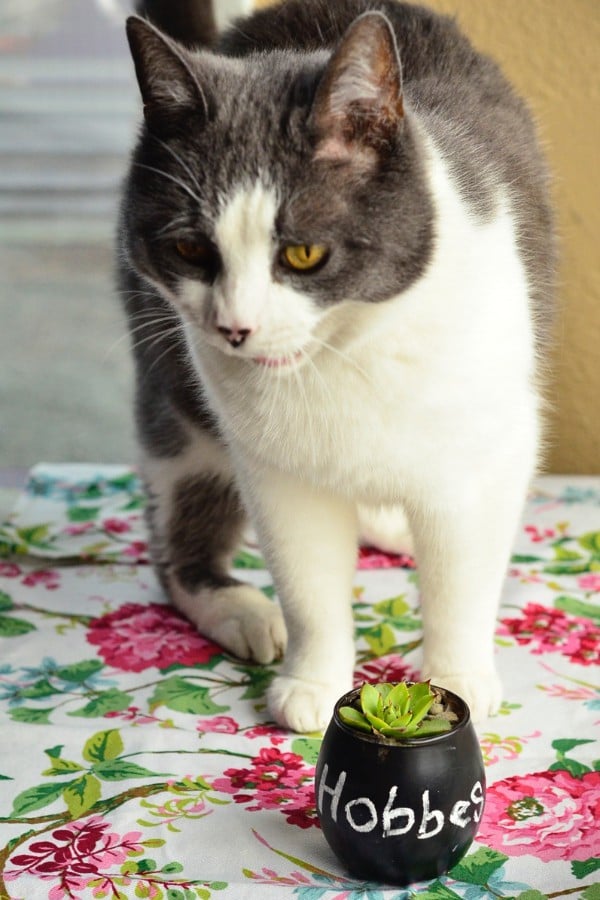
(358, 106)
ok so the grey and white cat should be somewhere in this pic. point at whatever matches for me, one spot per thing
(337, 261)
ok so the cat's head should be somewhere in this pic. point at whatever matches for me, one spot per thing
(267, 191)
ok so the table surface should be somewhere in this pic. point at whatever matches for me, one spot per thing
(137, 759)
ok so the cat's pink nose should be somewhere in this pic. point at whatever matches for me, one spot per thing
(234, 336)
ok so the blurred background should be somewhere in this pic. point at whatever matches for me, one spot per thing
(68, 114)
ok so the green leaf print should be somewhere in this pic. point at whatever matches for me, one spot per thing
(39, 690)
(122, 769)
(83, 513)
(5, 601)
(246, 560)
(63, 767)
(80, 795)
(102, 746)
(31, 716)
(380, 638)
(397, 613)
(112, 700)
(35, 535)
(79, 672)
(592, 892)
(478, 867)
(11, 627)
(437, 891)
(308, 749)
(36, 797)
(583, 868)
(183, 696)
(590, 541)
(564, 745)
(577, 608)
(258, 680)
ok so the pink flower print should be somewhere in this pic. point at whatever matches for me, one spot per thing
(537, 536)
(549, 630)
(116, 526)
(589, 582)
(550, 815)
(275, 781)
(218, 725)
(132, 714)
(385, 668)
(79, 528)
(10, 570)
(48, 578)
(137, 637)
(73, 854)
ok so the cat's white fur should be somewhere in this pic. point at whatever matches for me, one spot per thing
(425, 403)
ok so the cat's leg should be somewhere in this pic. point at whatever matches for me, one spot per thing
(309, 539)
(196, 520)
(463, 546)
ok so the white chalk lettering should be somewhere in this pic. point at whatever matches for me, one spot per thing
(435, 815)
(390, 814)
(458, 815)
(364, 816)
(477, 797)
(370, 824)
(336, 792)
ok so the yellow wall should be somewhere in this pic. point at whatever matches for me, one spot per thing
(551, 51)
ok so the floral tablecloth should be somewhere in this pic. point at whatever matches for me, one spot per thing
(138, 760)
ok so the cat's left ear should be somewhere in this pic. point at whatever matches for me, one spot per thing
(167, 83)
(358, 109)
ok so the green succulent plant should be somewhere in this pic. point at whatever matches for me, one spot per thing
(399, 711)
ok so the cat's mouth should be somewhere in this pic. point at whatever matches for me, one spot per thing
(272, 362)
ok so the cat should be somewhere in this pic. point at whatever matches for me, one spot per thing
(337, 260)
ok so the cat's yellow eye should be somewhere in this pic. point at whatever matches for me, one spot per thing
(303, 257)
(197, 253)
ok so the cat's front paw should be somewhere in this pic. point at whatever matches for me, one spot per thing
(239, 618)
(301, 705)
(481, 690)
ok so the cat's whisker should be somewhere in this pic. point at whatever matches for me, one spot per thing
(310, 361)
(179, 160)
(351, 362)
(172, 178)
(161, 337)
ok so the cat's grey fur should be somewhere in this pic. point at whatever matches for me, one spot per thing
(257, 105)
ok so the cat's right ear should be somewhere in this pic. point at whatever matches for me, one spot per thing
(167, 84)
(358, 109)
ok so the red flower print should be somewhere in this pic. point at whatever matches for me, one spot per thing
(275, 780)
(137, 551)
(372, 558)
(554, 631)
(550, 815)
(385, 668)
(276, 735)
(137, 637)
(74, 854)
(49, 578)
(10, 570)
(116, 526)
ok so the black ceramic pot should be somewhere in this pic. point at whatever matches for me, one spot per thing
(400, 811)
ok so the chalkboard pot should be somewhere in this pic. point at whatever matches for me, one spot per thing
(400, 811)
